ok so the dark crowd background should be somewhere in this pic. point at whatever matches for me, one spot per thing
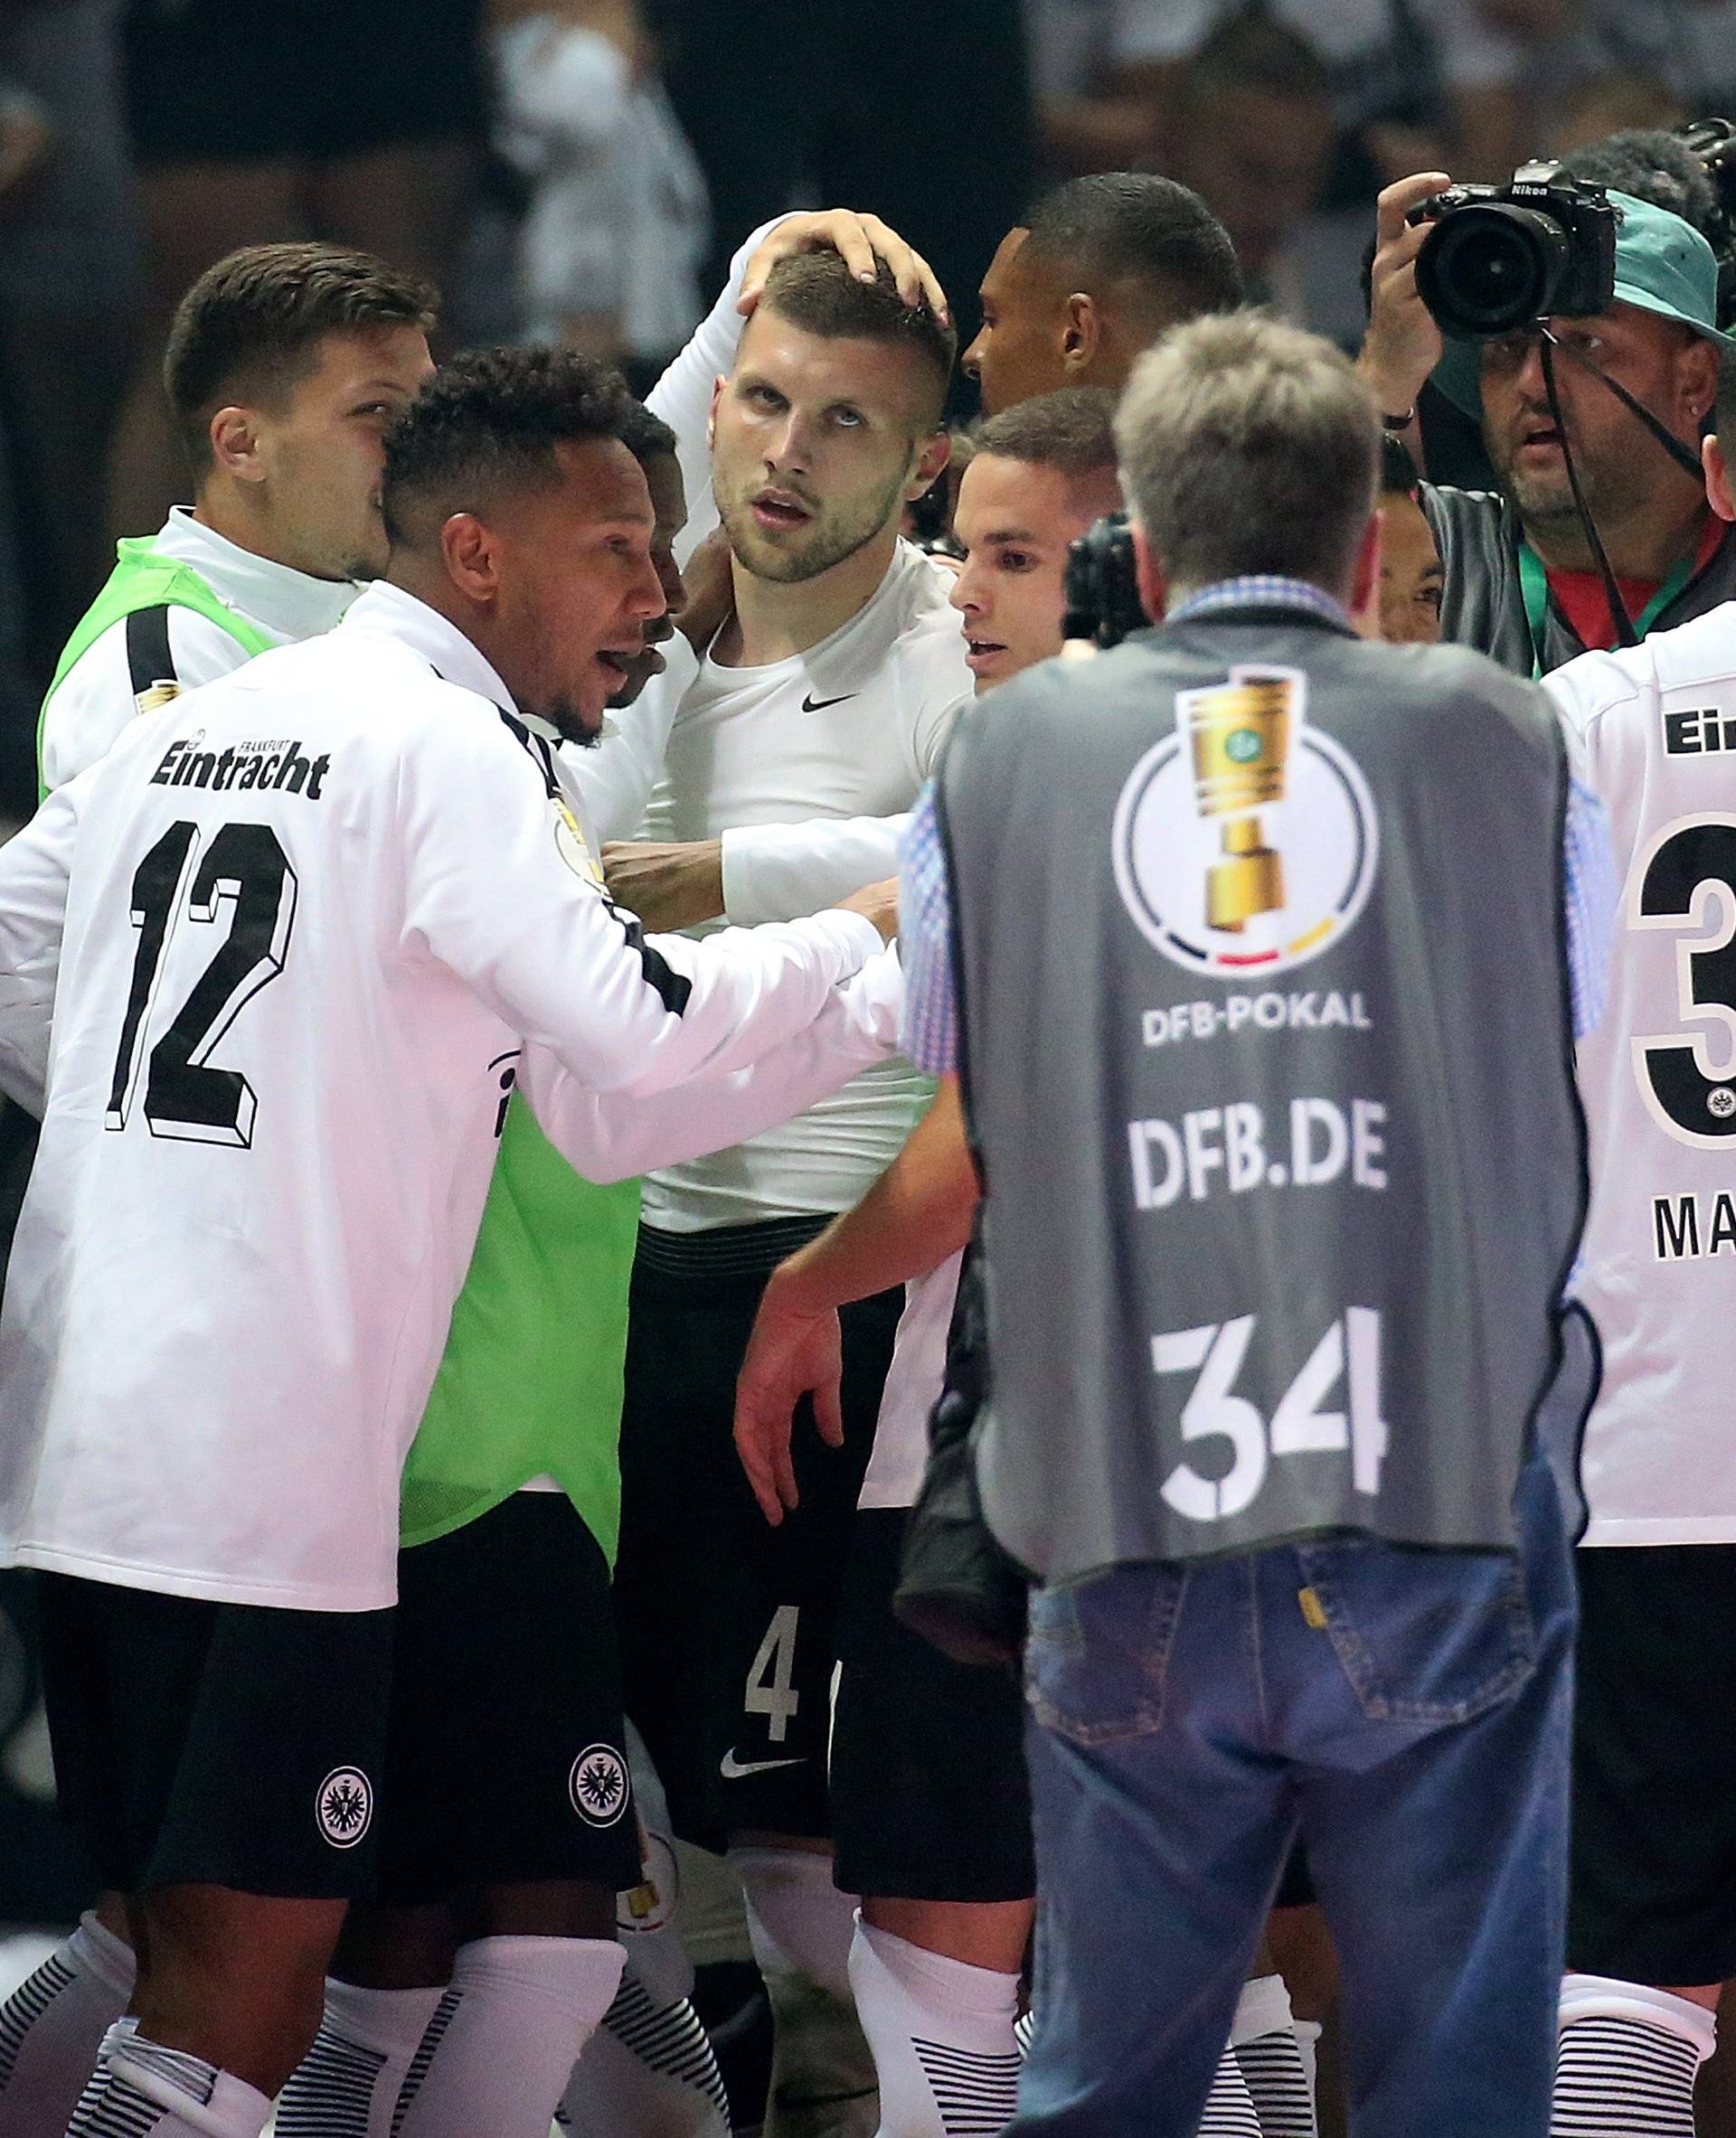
(581, 170)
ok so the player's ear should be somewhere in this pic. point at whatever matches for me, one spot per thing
(471, 557)
(929, 462)
(235, 443)
(718, 386)
(1082, 330)
(1718, 491)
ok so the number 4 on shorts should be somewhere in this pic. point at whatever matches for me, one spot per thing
(771, 1688)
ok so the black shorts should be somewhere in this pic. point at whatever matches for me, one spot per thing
(225, 1744)
(298, 80)
(506, 1758)
(728, 1626)
(1652, 1895)
(931, 1800)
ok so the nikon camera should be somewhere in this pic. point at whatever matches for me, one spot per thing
(1102, 592)
(1500, 258)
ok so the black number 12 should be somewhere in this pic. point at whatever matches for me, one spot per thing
(244, 875)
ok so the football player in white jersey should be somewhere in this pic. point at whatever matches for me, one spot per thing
(817, 710)
(351, 880)
(1652, 1894)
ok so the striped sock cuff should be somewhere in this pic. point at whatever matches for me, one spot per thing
(975, 2093)
(1229, 2111)
(668, 2038)
(1622, 2077)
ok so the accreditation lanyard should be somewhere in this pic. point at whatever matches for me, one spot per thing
(1534, 584)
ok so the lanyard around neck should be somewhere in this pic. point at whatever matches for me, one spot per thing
(1534, 584)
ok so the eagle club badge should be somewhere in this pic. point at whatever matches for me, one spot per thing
(343, 1807)
(1246, 841)
(571, 845)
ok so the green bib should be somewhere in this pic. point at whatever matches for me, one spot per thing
(529, 1384)
(145, 578)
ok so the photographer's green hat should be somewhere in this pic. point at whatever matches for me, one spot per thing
(1663, 265)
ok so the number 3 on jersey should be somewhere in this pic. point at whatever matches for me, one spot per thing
(242, 878)
(1687, 879)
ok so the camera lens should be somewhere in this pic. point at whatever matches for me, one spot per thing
(1491, 269)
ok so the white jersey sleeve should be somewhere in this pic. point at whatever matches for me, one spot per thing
(96, 698)
(491, 895)
(35, 868)
(683, 396)
(612, 1136)
(774, 872)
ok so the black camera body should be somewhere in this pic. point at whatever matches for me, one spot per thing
(1101, 586)
(1500, 258)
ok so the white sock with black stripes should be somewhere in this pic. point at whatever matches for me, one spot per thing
(648, 2071)
(347, 2085)
(1229, 2111)
(147, 2091)
(941, 2031)
(505, 2035)
(1263, 2041)
(54, 2025)
(1626, 2061)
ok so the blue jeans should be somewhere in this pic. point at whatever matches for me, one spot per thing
(1406, 1713)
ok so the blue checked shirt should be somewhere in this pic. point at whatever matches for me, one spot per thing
(930, 1027)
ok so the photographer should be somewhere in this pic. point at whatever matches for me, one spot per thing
(1523, 580)
(1408, 1705)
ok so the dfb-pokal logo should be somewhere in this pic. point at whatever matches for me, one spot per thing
(1246, 842)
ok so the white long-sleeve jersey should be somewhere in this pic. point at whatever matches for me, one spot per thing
(806, 753)
(1658, 1081)
(306, 927)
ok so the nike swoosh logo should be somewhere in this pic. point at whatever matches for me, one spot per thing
(732, 1769)
(820, 704)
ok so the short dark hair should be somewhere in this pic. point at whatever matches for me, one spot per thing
(821, 294)
(1399, 476)
(1072, 430)
(646, 436)
(1653, 166)
(1150, 233)
(250, 326)
(492, 419)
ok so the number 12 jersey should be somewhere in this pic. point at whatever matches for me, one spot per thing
(312, 924)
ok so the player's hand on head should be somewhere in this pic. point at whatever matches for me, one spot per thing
(877, 902)
(863, 241)
(791, 1353)
(1403, 345)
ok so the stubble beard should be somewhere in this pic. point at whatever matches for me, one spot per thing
(825, 543)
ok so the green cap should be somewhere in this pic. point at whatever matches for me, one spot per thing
(1663, 265)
